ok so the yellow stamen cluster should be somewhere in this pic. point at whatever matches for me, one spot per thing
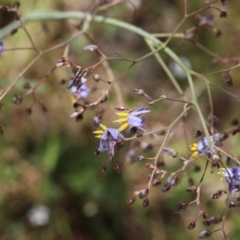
(193, 148)
(100, 132)
(123, 119)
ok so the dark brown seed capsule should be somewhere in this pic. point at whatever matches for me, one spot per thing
(145, 202)
(204, 234)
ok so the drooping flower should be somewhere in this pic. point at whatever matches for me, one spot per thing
(81, 92)
(109, 137)
(132, 119)
(202, 145)
(232, 176)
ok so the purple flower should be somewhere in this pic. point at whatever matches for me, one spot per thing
(232, 175)
(1, 47)
(109, 137)
(132, 119)
(202, 145)
(81, 92)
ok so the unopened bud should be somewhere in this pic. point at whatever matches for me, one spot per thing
(204, 234)
(156, 182)
(145, 202)
(181, 207)
(131, 200)
(166, 187)
(223, 13)
(79, 117)
(143, 193)
(215, 219)
(191, 225)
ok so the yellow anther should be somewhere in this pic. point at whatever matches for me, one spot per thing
(122, 114)
(124, 126)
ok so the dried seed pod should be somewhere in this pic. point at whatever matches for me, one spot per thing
(204, 234)
(96, 77)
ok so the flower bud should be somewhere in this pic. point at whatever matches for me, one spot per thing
(156, 182)
(70, 83)
(131, 200)
(143, 193)
(166, 187)
(223, 13)
(145, 202)
(191, 225)
(79, 117)
(215, 219)
(181, 207)
(204, 234)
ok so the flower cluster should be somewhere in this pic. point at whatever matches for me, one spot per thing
(109, 137)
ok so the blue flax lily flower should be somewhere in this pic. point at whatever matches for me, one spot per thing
(109, 137)
(202, 145)
(132, 119)
(81, 92)
(232, 175)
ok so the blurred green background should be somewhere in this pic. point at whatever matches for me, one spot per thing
(51, 181)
